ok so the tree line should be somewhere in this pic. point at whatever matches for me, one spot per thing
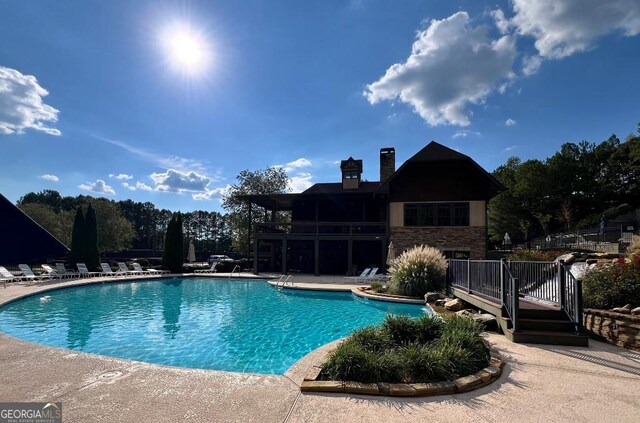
(125, 225)
(576, 187)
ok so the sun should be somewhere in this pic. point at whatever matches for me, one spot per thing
(187, 51)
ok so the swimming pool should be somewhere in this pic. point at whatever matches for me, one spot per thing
(221, 324)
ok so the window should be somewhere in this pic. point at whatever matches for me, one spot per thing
(436, 214)
(350, 174)
(456, 254)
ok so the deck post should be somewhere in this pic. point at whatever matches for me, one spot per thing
(468, 276)
(349, 255)
(563, 282)
(578, 305)
(503, 292)
(515, 297)
(255, 259)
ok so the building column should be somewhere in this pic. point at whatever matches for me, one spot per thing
(255, 258)
(284, 256)
(316, 253)
(383, 265)
(349, 255)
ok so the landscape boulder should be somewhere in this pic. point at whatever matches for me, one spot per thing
(466, 313)
(567, 258)
(487, 320)
(623, 310)
(454, 305)
(431, 297)
(636, 311)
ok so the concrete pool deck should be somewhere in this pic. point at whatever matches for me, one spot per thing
(540, 383)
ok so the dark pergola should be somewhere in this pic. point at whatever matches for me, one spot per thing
(22, 240)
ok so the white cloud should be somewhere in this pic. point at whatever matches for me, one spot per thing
(300, 182)
(48, 177)
(211, 193)
(138, 186)
(452, 64)
(121, 176)
(21, 104)
(175, 181)
(510, 148)
(296, 164)
(531, 65)
(510, 122)
(142, 186)
(464, 133)
(564, 27)
(99, 187)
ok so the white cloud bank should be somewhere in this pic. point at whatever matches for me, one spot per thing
(21, 104)
(185, 182)
(455, 63)
(99, 187)
(510, 122)
(564, 27)
(49, 177)
(452, 64)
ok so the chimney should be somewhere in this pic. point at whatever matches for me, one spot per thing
(351, 173)
(387, 163)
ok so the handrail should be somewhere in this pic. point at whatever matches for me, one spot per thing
(237, 266)
(570, 295)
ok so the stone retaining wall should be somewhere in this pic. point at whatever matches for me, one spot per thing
(616, 328)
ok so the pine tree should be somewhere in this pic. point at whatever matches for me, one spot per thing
(77, 239)
(173, 256)
(92, 255)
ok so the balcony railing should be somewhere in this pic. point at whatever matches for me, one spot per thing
(323, 228)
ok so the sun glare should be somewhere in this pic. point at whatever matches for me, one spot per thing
(187, 51)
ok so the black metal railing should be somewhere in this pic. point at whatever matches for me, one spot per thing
(508, 281)
(323, 228)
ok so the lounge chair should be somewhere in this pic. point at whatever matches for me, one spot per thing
(6, 276)
(369, 277)
(212, 269)
(124, 269)
(53, 272)
(28, 274)
(364, 274)
(64, 271)
(106, 270)
(139, 269)
(83, 271)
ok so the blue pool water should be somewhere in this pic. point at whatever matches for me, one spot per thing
(234, 325)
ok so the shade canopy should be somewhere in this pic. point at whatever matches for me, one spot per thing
(22, 240)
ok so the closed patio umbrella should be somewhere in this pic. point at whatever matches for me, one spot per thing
(391, 254)
(192, 252)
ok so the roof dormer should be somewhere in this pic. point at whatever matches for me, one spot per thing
(351, 173)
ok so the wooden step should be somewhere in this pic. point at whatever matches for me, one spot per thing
(547, 337)
(552, 325)
(543, 314)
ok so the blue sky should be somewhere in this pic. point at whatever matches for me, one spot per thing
(94, 101)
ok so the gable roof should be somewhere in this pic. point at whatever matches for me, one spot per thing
(22, 240)
(436, 152)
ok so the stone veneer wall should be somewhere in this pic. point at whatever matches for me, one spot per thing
(463, 238)
(616, 328)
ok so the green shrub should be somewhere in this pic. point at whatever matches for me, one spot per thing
(612, 286)
(417, 271)
(429, 327)
(401, 329)
(402, 349)
(372, 339)
(522, 254)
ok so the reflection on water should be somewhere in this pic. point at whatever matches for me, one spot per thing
(171, 304)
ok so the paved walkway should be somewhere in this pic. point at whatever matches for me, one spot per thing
(539, 384)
